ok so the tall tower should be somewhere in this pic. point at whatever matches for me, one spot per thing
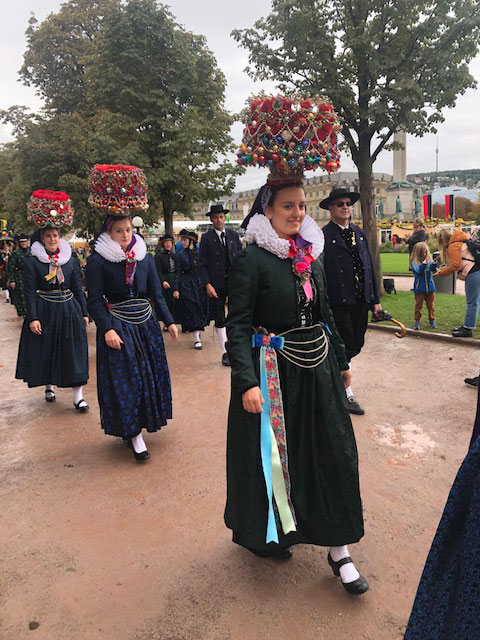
(400, 158)
(436, 157)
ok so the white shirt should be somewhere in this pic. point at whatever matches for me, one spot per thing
(219, 234)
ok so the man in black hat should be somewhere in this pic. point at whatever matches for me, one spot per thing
(166, 263)
(218, 248)
(351, 283)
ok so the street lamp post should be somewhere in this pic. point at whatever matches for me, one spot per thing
(137, 222)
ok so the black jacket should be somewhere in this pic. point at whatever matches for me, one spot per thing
(211, 256)
(338, 267)
(106, 281)
(417, 236)
(35, 272)
(162, 262)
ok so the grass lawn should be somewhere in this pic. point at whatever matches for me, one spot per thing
(394, 262)
(449, 311)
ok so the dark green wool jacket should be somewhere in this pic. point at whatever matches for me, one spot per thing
(263, 292)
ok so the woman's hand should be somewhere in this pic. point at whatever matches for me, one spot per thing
(36, 327)
(252, 400)
(113, 340)
(211, 293)
(86, 319)
(176, 295)
(166, 285)
(346, 377)
(173, 331)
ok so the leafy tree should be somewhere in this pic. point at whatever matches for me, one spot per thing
(387, 66)
(162, 96)
(57, 53)
(438, 210)
(463, 207)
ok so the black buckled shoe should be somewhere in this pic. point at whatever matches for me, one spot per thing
(280, 553)
(81, 406)
(462, 332)
(355, 588)
(50, 395)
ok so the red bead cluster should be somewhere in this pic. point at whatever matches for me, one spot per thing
(118, 188)
(290, 134)
(50, 208)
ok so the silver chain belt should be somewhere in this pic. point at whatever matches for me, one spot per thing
(135, 311)
(56, 295)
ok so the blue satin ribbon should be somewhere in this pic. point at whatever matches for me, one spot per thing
(260, 340)
(266, 450)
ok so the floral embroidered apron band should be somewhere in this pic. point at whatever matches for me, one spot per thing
(273, 442)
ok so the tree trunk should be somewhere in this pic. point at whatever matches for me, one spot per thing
(367, 202)
(168, 220)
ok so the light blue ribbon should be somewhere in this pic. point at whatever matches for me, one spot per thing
(266, 450)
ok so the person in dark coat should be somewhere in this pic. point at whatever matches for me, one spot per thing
(133, 380)
(16, 274)
(53, 347)
(218, 248)
(192, 302)
(446, 603)
(419, 235)
(351, 282)
(292, 467)
(166, 263)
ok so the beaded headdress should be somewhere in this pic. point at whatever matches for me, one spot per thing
(50, 209)
(118, 189)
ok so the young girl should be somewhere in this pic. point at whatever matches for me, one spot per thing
(423, 287)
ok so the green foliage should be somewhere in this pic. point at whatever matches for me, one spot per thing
(387, 66)
(122, 83)
(389, 247)
(162, 95)
(449, 311)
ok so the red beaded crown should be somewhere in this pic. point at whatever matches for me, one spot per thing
(289, 135)
(50, 209)
(118, 188)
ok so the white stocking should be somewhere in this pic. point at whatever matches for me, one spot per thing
(49, 392)
(348, 573)
(196, 336)
(348, 390)
(77, 394)
(139, 443)
(222, 338)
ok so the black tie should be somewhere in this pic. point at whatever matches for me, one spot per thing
(222, 236)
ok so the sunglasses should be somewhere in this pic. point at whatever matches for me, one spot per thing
(344, 202)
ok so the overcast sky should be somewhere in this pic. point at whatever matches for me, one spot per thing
(459, 136)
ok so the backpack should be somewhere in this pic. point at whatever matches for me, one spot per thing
(474, 247)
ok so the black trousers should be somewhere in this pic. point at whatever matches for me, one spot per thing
(351, 322)
(217, 308)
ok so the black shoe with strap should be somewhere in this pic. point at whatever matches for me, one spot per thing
(354, 407)
(355, 588)
(50, 395)
(81, 406)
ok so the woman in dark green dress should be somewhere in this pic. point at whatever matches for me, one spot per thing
(292, 468)
(16, 271)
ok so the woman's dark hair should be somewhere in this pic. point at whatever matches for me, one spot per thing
(275, 190)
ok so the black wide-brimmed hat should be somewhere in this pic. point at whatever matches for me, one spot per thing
(216, 208)
(167, 236)
(339, 192)
(191, 235)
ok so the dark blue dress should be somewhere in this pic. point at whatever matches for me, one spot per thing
(58, 356)
(447, 604)
(191, 310)
(133, 382)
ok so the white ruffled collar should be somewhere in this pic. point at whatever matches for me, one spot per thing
(109, 248)
(64, 250)
(261, 232)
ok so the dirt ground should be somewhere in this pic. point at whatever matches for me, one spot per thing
(97, 546)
